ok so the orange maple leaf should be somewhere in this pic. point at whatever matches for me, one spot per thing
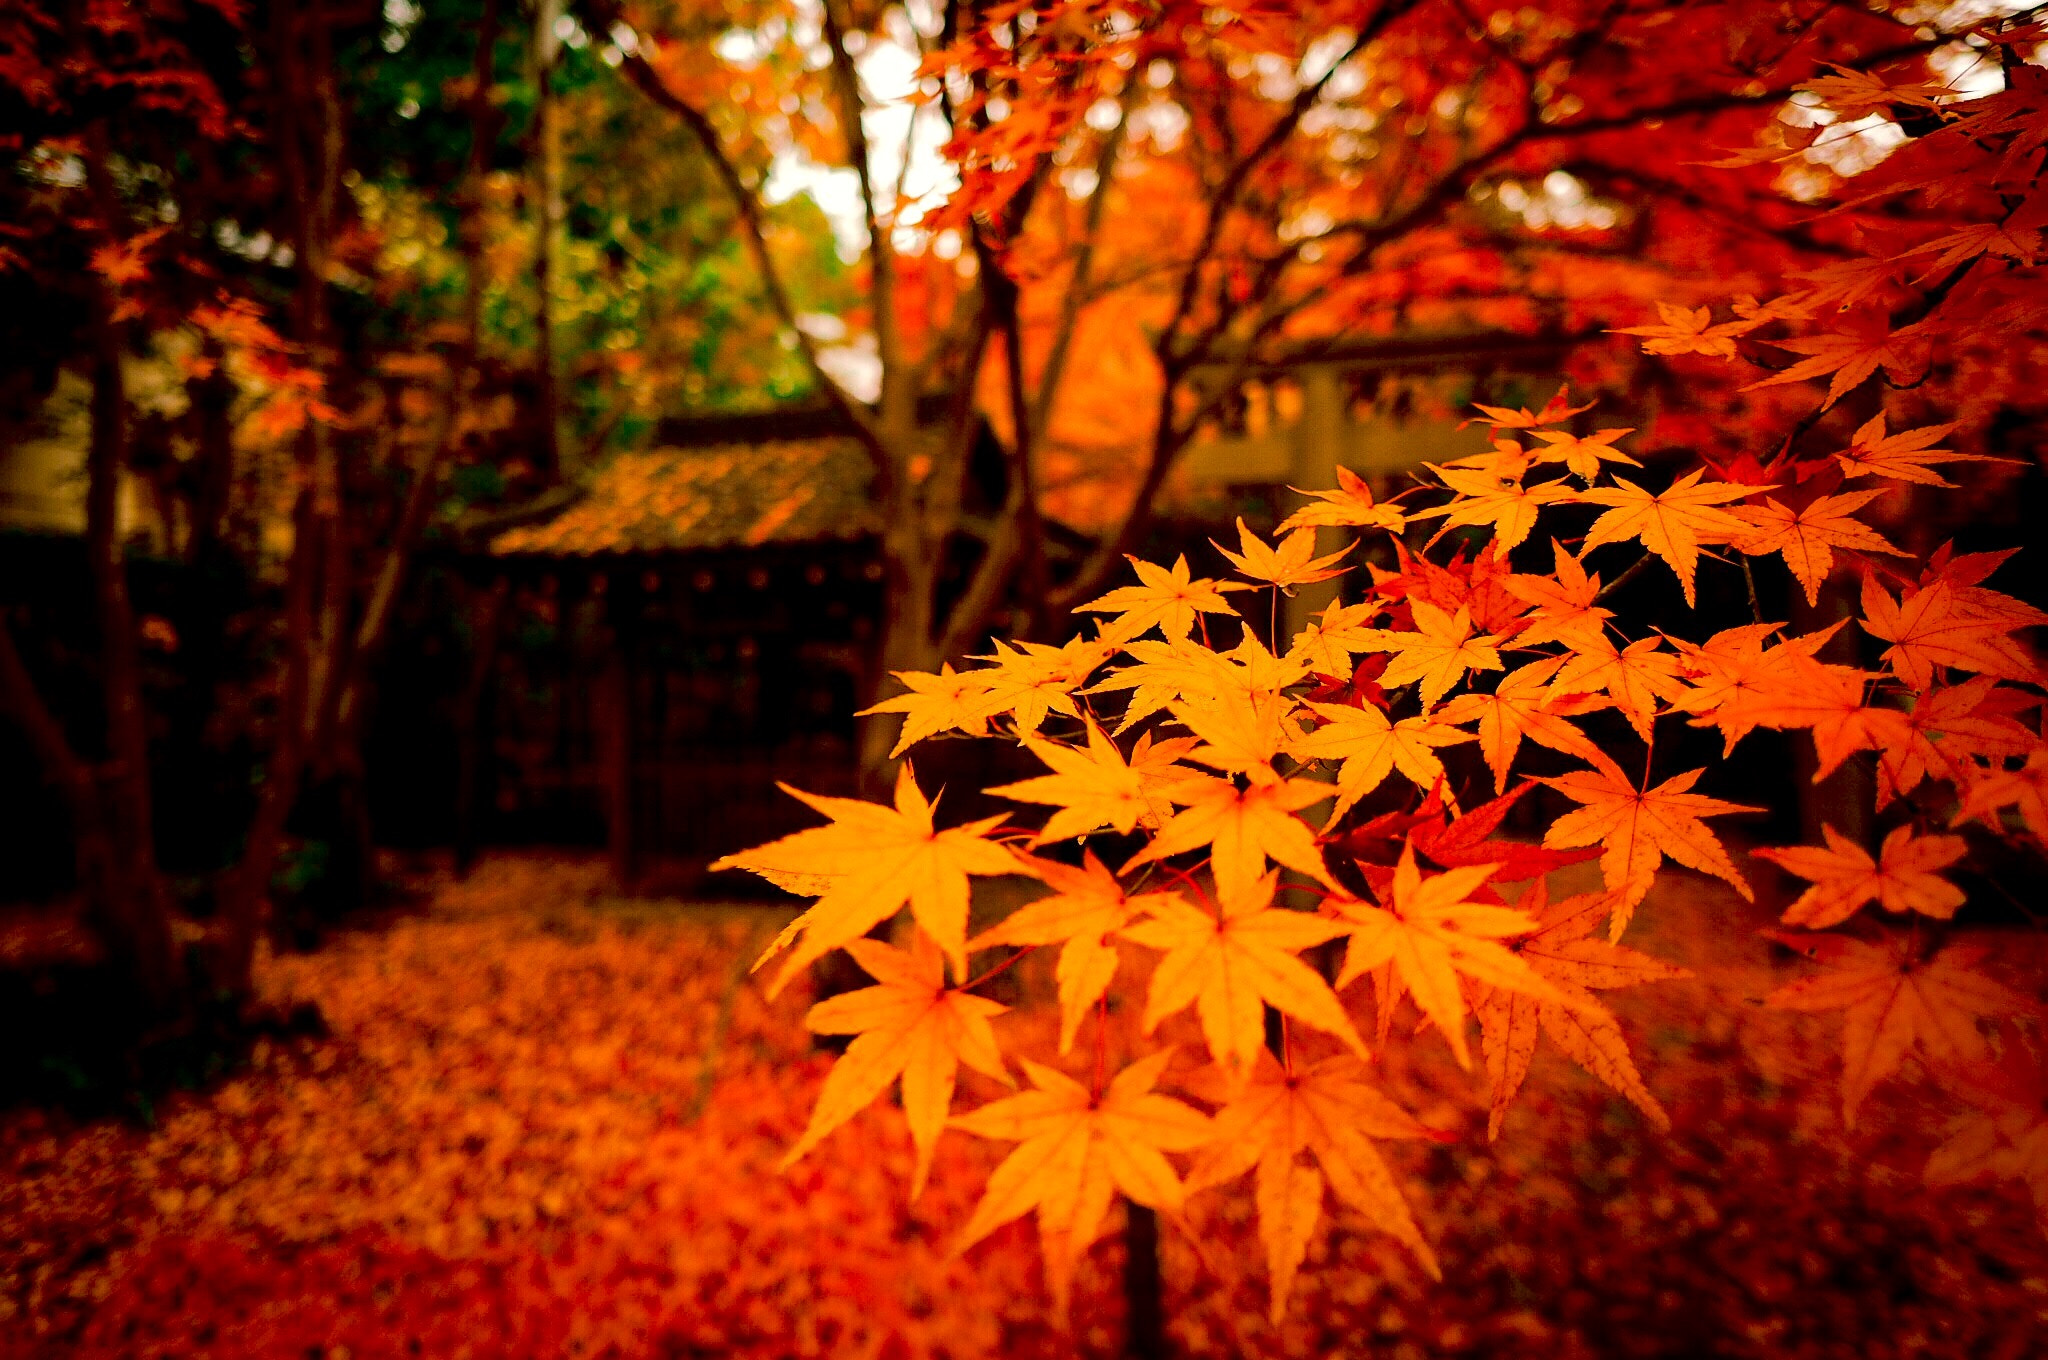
(1829, 700)
(1896, 1001)
(1438, 653)
(1638, 829)
(1232, 964)
(1330, 1112)
(1087, 905)
(1561, 951)
(1372, 746)
(1906, 876)
(1293, 563)
(1431, 932)
(1905, 456)
(946, 702)
(1242, 828)
(1672, 523)
(1806, 538)
(1937, 626)
(1852, 355)
(1096, 787)
(1487, 499)
(1525, 704)
(1075, 1151)
(1566, 602)
(910, 1025)
(868, 863)
(1583, 454)
(1168, 598)
(1635, 677)
(1690, 331)
(1350, 506)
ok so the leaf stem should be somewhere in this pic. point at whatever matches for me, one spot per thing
(1021, 952)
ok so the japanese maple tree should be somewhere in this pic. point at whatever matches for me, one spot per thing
(1249, 826)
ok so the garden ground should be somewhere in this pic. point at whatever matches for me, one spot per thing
(546, 1120)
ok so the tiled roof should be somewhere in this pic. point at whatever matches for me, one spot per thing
(727, 496)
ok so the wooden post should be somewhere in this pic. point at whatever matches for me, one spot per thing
(1316, 439)
(1144, 1302)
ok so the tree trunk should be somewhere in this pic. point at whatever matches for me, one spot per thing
(1144, 1296)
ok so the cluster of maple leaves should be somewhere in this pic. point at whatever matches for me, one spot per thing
(1208, 759)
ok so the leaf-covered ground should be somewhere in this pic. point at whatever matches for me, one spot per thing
(548, 1119)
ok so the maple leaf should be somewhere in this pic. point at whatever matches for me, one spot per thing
(1032, 679)
(1240, 733)
(1827, 699)
(1525, 704)
(1074, 1152)
(1904, 877)
(1168, 598)
(1242, 827)
(1566, 603)
(1432, 933)
(1476, 584)
(1337, 633)
(2006, 1136)
(1672, 523)
(948, 701)
(1350, 506)
(1853, 93)
(1502, 503)
(1852, 355)
(1233, 964)
(1087, 905)
(1637, 829)
(1096, 787)
(874, 859)
(1690, 331)
(1555, 411)
(1167, 671)
(2026, 787)
(1905, 456)
(1948, 728)
(1896, 1001)
(1371, 747)
(1465, 842)
(1806, 538)
(1293, 563)
(1561, 951)
(1635, 677)
(1734, 677)
(909, 1025)
(1936, 626)
(1583, 454)
(1438, 653)
(1330, 1112)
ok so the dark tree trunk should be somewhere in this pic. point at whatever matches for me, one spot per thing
(1144, 1298)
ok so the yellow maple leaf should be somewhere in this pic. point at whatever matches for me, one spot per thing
(1906, 456)
(1806, 538)
(1690, 331)
(1582, 454)
(1087, 905)
(1371, 746)
(1638, 829)
(1074, 1152)
(1566, 602)
(1350, 506)
(1526, 704)
(1097, 787)
(1168, 597)
(1672, 523)
(1233, 964)
(877, 858)
(909, 1025)
(1293, 563)
(949, 701)
(1331, 1113)
(1897, 1001)
(1906, 876)
(1241, 732)
(1560, 951)
(1438, 653)
(1502, 503)
(1635, 677)
(1242, 828)
(1432, 934)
